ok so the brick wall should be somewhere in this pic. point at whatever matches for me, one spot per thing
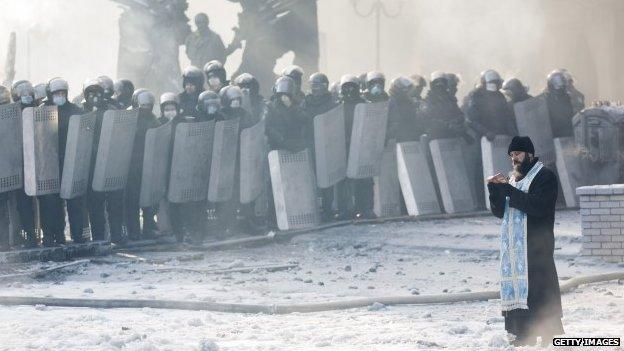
(602, 221)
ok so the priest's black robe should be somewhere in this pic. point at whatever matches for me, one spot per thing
(543, 318)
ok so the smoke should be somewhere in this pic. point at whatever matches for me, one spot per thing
(527, 39)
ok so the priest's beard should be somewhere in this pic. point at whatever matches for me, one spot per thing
(520, 169)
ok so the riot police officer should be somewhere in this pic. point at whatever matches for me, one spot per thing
(109, 90)
(231, 100)
(560, 109)
(418, 85)
(487, 110)
(317, 102)
(5, 98)
(76, 208)
(375, 87)
(209, 107)
(250, 85)
(169, 108)
(40, 93)
(404, 120)
(576, 97)
(296, 74)
(515, 91)
(146, 120)
(193, 85)
(285, 118)
(23, 92)
(285, 122)
(216, 77)
(452, 81)
(442, 116)
(101, 203)
(354, 196)
(124, 88)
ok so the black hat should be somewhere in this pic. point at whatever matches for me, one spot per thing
(521, 143)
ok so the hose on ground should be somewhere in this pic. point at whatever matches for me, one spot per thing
(565, 287)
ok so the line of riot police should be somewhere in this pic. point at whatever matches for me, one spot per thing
(201, 168)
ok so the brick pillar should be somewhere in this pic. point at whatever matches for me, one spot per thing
(602, 221)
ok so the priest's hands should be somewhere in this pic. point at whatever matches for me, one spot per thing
(497, 179)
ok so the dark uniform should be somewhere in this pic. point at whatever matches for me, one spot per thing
(76, 207)
(319, 101)
(101, 204)
(146, 120)
(23, 92)
(187, 100)
(442, 116)
(560, 109)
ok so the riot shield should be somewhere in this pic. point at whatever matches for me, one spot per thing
(41, 158)
(367, 140)
(77, 163)
(532, 119)
(452, 175)
(495, 159)
(386, 188)
(294, 189)
(415, 179)
(222, 168)
(570, 170)
(11, 155)
(190, 162)
(155, 172)
(253, 162)
(112, 161)
(330, 147)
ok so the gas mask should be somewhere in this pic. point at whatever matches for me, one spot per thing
(26, 100)
(93, 99)
(491, 86)
(170, 114)
(214, 82)
(376, 90)
(59, 99)
(190, 88)
(285, 99)
(318, 89)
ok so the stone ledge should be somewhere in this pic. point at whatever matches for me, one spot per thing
(612, 189)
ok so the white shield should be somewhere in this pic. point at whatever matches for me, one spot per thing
(112, 161)
(41, 160)
(294, 189)
(190, 162)
(570, 170)
(77, 163)
(11, 154)
(155, 165)
(495, 159)
(330, 147)
(222, 169)
(387, 190)
(452, 175)
(253, 162)
(532, 119)
(416, 179)
(367, 140)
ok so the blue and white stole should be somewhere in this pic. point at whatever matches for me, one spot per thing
(514, 279)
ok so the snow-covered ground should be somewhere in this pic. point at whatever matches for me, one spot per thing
(392, 259)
